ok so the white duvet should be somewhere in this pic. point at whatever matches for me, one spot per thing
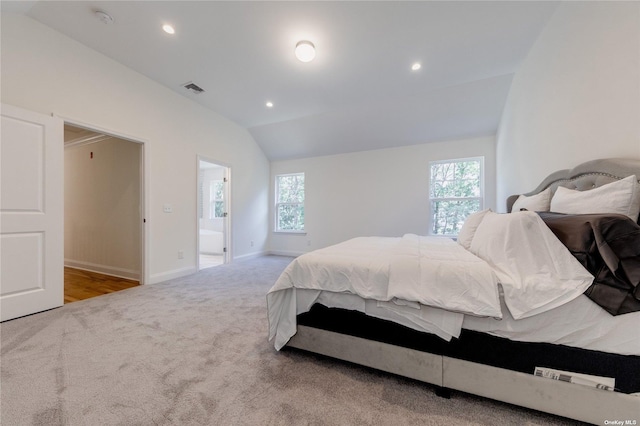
(440, 273)
(401, 274)
(430, 282)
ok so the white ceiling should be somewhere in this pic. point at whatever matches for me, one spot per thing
(358, 94)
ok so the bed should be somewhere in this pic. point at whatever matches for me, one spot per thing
(490, 343)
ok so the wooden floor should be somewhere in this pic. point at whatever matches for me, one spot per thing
(80, 285)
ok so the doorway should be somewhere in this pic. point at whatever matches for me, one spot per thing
(104, 213)
(213, 213)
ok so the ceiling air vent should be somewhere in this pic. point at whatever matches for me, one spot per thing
(193, 88)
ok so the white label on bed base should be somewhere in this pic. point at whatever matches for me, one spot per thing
(604, 383)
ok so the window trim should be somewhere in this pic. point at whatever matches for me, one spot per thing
(276, 229)
(481, 198)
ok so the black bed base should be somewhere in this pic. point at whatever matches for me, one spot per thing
(481, 348)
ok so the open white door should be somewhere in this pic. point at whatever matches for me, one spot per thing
(31, 213)
(213, 230)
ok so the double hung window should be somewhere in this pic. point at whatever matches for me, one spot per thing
(456, 191)
(216, 199)
(290, 203)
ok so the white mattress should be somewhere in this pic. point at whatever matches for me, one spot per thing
(579, 323)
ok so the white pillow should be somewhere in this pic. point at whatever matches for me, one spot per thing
(536, 203)
(465, 236)
(622, 197)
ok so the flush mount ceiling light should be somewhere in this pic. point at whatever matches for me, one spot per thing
(416, 66)
(305, 51)
(269, 104)
(168, 29)
(104, 17)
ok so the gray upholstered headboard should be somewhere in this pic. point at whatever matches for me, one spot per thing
(585, 176)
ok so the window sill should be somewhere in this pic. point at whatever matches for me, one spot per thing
(291, 232)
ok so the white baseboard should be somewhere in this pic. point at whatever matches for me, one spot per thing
(251, 255)
(103, 269)
(286, 253)
(169, 275)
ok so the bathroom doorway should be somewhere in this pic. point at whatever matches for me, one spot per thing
(213, 213)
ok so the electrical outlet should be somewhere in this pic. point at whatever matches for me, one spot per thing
(167, 208)
(309, 243)
(251, 243)
(180, 254)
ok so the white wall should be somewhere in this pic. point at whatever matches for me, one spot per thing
(575, 98)
(102, 207)
(47, 72)
(372, 193)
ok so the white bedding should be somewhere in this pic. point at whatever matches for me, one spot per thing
(535, 269)
(440, 273)
(369, 267)
(428, 282)
(444, 324)
(579, 323)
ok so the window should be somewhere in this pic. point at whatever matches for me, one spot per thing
(456, 192)
(216, 199)
(290, 203)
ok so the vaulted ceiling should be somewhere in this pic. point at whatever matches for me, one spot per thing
(359, 92)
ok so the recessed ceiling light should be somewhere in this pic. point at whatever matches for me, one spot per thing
(269, 104)
(168, 29)
(416, 66)
(305, 51)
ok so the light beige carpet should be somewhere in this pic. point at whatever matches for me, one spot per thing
(194, 351)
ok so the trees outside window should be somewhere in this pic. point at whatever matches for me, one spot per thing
(290, 202)
(456, 191)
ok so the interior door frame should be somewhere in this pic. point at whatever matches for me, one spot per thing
(226, 256)
(144, 186)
